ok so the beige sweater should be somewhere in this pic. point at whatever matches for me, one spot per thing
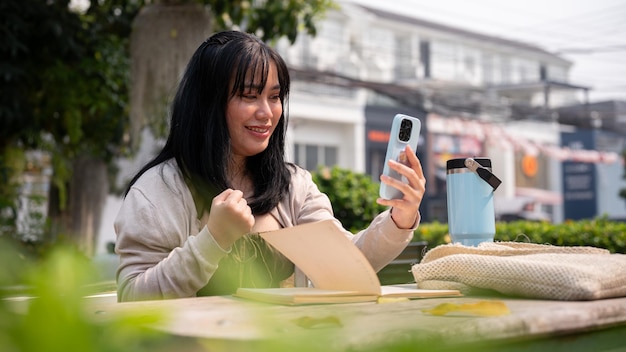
(166, 252)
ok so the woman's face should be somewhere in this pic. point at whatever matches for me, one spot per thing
(252, 117)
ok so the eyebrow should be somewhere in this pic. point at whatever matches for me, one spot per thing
(258, 87)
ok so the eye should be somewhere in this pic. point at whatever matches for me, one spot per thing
(274, 94)
(249, 95)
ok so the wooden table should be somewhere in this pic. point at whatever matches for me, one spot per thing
(228, 321)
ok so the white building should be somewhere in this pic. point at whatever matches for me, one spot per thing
(364, 65)
(484, 95)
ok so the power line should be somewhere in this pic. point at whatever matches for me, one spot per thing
(586, 17)
(591, 50)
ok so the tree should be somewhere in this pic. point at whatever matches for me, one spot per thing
(65, 86)
(167, 32)
(64, 91)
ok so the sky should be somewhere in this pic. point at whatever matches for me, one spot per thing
(589, 33)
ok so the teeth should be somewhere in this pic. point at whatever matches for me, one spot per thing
(256, 129)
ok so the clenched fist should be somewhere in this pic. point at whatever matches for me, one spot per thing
(230, 217)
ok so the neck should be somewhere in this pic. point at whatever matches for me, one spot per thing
(239, 178)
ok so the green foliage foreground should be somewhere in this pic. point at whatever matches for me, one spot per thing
(52, 317)
(55, 318)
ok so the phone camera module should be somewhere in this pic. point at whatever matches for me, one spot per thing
(405, 130)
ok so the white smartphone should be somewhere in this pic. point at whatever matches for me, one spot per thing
(405, 130)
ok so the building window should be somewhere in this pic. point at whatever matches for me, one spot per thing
(310, 156)
(505, 70)
(525, 71)
(308, 55)
(443, 61)
(425, 58)
(558, 74)
(488, 69)
(379, 54)
(405, 67)
(470, 72)
(334, 44)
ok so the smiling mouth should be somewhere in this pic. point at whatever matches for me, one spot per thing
(258, 129)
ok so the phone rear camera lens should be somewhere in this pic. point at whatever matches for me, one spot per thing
(405, 130)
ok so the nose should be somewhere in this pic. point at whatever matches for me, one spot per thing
(264, 110)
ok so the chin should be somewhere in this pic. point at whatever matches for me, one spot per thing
(256, 151)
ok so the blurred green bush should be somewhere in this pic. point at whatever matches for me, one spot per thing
(600, 232)
(352, 195)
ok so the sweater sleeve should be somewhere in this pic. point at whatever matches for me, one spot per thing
(382, 241)
(160, 256)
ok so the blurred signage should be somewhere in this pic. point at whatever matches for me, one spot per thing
(378, 136)
(529, 165)
(579, 180)
(531, 170)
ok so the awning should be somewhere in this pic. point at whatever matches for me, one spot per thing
(490, 132)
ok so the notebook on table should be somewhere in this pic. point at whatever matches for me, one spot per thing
(338, 270)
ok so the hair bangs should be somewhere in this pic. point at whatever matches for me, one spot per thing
(251, 72)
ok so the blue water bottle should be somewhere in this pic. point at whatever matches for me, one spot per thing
(470, 185)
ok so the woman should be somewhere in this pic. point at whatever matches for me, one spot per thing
(183, 228)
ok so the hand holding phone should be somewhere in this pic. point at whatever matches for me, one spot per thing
(405, 130)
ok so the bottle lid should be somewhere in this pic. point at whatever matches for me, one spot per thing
(459, 163)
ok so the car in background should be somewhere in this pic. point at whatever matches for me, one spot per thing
(522, 208)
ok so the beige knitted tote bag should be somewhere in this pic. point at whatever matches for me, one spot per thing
(525, 270)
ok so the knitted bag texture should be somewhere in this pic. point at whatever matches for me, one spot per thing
(524, 270)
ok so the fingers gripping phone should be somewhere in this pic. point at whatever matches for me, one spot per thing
(405, 130)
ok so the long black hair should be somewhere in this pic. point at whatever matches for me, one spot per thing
(198, 137)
